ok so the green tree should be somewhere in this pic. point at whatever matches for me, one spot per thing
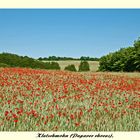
(70, 68)
(126, 59)
(13, 60)
(137, 54)
(84, 66)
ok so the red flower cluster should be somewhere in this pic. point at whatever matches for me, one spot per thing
(46, 100)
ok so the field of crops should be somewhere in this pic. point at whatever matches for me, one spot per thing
(94, 65)
(40, 100)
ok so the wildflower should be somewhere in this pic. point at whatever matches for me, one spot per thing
(6, 113)
(16, 121)
(72, 116)
(77, 124)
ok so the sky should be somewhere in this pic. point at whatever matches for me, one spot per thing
(67, 32)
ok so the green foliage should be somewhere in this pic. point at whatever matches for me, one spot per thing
(13, 60)
(126, 59)
(55, 58)
(84, 58)
(84, 66)
(52, 65)
(70, 68)
(3, 65)
(137, 54)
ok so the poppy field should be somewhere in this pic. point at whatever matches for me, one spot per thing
(41, 100)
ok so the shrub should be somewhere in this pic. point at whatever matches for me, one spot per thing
(70, 68)
(52, 65)
(55, 66)
(84, 66)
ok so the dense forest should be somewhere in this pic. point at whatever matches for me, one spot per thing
(126, 59)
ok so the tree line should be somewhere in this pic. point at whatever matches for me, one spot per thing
(55, 58)
(126, 59)
(13, 60)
